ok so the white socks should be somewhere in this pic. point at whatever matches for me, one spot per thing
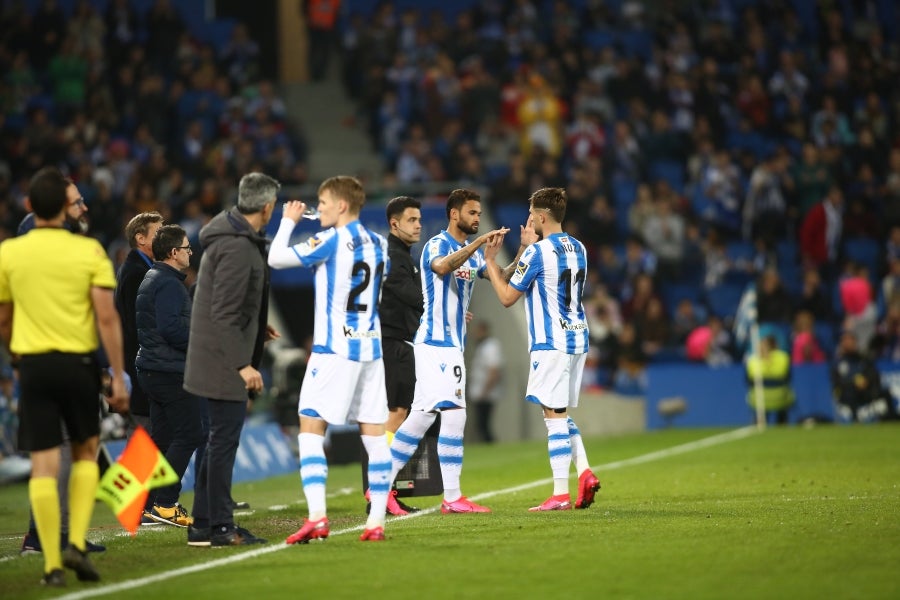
(313, 472)
(450, 451)
(559, 447)
(379, 477)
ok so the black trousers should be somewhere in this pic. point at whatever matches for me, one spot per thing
(212, 492)
(175, 425)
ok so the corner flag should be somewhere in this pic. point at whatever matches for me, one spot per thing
(125, 485)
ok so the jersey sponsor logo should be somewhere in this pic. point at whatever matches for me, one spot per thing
(567, 326)
(351, 333)
(466, 273)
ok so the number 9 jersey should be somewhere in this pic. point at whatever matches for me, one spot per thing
(551, 274)
(350, 264)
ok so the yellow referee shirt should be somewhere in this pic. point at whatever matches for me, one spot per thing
(47, 274)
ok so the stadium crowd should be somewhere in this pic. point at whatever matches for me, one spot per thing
(142, 112)
(703, 145)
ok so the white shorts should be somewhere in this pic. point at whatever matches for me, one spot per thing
(554, 378)
(440, 378)
(341, 390)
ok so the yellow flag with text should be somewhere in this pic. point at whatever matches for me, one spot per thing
(125, 485)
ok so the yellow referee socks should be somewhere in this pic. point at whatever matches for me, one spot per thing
(45, 506)
(82, 489)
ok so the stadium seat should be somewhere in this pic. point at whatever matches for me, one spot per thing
(740, 251)
(723, 299)
(864, 251)
(826, 335)
(670, 171)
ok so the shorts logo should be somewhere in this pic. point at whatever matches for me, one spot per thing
(314, 372)
(443, 366)
(534, 365)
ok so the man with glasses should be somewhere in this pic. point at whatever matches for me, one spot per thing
(75, 220)
(55, 297)
(76, 214)
(163, 318)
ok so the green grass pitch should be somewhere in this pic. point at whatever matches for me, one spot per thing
(788, 513)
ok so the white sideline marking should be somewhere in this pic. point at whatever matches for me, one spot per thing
(637, 460)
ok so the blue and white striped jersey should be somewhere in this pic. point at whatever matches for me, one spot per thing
(350, 263)
(446, 298)
(551, 273)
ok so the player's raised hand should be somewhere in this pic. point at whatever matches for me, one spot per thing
(293, 210)
(492, 247)
(483, 238)
(527, 234)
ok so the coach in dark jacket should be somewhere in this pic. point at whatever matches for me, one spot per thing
(163, 318)
(139, 232)
(227, 332)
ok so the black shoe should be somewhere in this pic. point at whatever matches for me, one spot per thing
(233, 536)
(241, 505)
(198, 536)
(31, 544)
(407, 507)
(78, 561)
(55, 578)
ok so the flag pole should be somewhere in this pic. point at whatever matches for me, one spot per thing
(758, 392)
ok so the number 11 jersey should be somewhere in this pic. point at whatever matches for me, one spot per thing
(551, 274)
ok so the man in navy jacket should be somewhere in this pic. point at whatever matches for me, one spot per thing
(163, 320)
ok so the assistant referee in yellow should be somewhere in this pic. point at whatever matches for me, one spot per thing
(56, 293)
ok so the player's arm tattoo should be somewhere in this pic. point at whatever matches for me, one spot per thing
(508, 271)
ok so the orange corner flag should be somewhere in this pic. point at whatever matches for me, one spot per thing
(125, 484)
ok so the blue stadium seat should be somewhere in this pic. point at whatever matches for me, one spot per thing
(826, 335)
(624, 192)
(673, 293)
(740, 251)
(599, 38)
(723, 299)
(670, 171)
(864, 251)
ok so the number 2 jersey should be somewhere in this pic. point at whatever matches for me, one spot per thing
(446, 299)
(551, 274)
(350, 263)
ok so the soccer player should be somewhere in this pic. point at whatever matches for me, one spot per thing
(449, 266)
(551, 275)
(344, 378)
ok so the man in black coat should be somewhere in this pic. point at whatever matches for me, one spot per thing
(228, 329)
(139, 232)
